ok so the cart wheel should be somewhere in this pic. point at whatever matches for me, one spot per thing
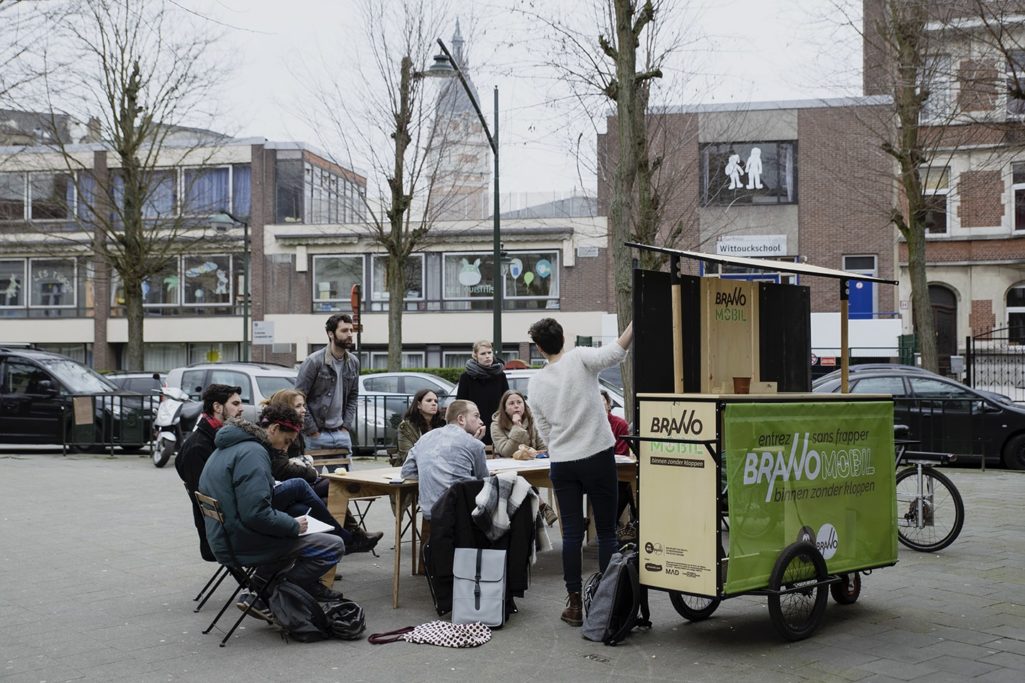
(847, 590)
(693, 607)
(797, 613)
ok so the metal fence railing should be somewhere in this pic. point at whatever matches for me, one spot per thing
(101, 422)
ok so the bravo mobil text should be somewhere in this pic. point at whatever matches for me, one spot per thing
(830, 459)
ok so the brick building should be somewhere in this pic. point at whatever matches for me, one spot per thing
(791, 180)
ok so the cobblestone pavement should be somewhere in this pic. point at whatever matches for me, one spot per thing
(99, 564)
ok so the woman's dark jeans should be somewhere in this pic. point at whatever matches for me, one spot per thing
(597, 477)
(296, 496)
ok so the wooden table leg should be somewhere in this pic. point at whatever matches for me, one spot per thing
(397, 561)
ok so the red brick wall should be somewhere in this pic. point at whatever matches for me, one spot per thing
(978, 85)
(587, 286)
(981, 318)
(981, 194)
(844, 198)
(947, 251)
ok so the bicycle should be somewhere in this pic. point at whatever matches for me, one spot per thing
(930, 512)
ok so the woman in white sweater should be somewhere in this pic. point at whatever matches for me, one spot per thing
(570, 415)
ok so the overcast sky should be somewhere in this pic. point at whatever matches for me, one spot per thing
(738, 51)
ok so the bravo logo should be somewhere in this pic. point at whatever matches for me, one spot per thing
(687, 423)
(827, 541)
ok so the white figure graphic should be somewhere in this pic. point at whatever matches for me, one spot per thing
(754, 169)
(11, 293)
(734, 170)
(222, 282)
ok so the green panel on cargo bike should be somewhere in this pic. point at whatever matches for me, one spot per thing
(821, 472)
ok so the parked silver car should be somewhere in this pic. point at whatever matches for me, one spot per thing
(384, 398)
(518, 380)
(257, 380)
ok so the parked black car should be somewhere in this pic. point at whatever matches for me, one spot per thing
(37, 404)
(942, 414)
(145, 383)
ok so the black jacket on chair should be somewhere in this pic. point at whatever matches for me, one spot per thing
(452, 527)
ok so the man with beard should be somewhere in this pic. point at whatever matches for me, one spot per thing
(330, 380)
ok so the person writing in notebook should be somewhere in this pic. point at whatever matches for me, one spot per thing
(254, 532)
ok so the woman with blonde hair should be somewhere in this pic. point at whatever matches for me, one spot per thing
(483, 382)
(293, 464)
(512, 426)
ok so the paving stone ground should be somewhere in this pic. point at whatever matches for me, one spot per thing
(99, 564)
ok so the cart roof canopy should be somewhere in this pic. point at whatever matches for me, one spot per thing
(764, 264)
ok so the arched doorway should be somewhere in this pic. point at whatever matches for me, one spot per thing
(944, 311)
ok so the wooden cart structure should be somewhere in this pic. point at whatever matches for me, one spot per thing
(749, 483)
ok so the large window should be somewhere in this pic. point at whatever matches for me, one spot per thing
(532, 275)
(379, 361)
(748, 173)
(333, 278)
(12, 196)
(1015, 82)
(414, 278)
(936, 77)
(12, 283)
(468, 275)
(162, 288)
(1018, 189)
(935, 188)
(51, 196)
(53, 283)
(206, 190)
(207, 280)
(1016, 313)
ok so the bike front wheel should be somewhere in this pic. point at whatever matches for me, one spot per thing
(928, 518)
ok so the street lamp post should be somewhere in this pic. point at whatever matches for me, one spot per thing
(444, 66)
(222, 220)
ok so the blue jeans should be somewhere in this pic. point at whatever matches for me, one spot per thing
(596, 476)
(295, 497)
(314, 555)
(336, 439)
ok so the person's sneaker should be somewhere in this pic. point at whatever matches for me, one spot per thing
(259, 608)
(574, 612)
(322, 593)
(364, 542)
(548, 512)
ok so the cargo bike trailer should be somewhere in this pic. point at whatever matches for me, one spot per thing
(748, 483)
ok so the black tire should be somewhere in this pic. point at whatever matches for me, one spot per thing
(364, 451)
(797, 614)
(134, 448)
(942, 510)
(1014, 453)
(693, 607)
(162, 452)
(847, 590)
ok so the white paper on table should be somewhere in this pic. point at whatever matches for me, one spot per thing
(624, 460)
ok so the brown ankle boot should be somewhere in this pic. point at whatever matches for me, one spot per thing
(573, 614)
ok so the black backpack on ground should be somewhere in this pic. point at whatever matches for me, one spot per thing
(615, 603)
(305, 619)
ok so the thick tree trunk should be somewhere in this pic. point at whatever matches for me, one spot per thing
(921, 305)
(396, 294)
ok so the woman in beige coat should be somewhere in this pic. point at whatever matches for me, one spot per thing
(512, 426)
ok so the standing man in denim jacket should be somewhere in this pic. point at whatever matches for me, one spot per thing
(330, 379)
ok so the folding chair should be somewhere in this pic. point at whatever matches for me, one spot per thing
(214, 583)
(211, 508)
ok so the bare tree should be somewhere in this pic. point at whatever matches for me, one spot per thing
(382, 118)
(137, 71)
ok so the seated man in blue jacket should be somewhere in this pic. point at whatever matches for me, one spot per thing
(238, 475)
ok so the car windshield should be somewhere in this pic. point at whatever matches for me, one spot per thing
(268, 385)
(77, 377)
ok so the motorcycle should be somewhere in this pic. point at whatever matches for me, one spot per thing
(176, 417)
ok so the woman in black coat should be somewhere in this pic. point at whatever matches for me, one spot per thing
(483, 382)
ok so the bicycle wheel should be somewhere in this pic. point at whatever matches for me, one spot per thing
(929, 520)
(797, 613)
(693, 607)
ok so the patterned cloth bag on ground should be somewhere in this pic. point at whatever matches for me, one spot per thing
(441, 633)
